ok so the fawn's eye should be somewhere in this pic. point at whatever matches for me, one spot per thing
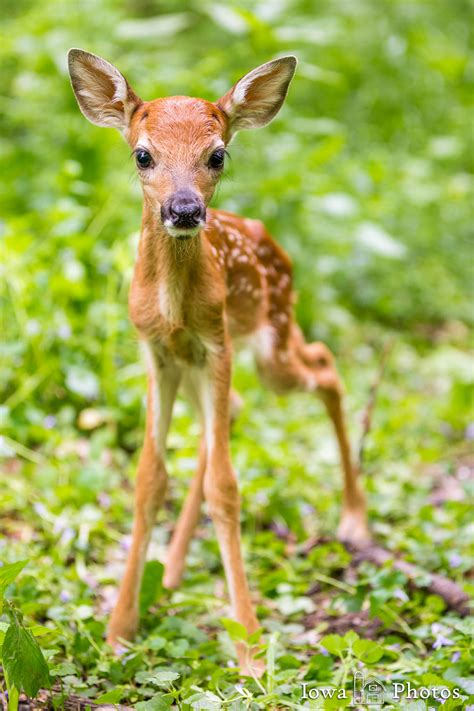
(143, 158)
(216, 160)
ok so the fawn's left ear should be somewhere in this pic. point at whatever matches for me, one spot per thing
(102, 92)
(257, 98)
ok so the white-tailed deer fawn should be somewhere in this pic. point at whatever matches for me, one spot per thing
(203, 278)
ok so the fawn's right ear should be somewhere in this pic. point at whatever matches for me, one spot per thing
(102, 92)
(258, 96)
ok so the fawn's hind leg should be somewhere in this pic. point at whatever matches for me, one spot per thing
(294, 364)
(191, 511)
(353, 524)
(187, 522)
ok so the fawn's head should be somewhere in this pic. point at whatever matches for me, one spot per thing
(178, 142)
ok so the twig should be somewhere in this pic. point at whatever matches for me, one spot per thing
(452, 594)
(70, 703)
(369, 409)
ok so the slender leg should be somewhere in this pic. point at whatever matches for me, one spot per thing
(149, 494)
(189, 516)
(187, 522)
(222, 495)
(353, 525)
(310, 367)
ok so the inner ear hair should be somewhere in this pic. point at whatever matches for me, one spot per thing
(102, 92)
(258, 96)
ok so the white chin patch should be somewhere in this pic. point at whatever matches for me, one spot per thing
(182, 232)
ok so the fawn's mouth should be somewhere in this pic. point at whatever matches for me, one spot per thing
(183, 232)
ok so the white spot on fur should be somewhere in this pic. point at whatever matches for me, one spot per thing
(262, 342)
(169, 302)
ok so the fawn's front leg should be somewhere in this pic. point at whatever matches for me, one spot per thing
(222, 495)
(150, 491)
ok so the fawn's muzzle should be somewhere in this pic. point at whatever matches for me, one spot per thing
(183, 210)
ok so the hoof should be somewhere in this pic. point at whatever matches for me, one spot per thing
(249, 664)
(120, 632)
(354, 530)
(118, 647)
(253, 667)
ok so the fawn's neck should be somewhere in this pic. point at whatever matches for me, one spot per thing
(175, 283)
(163, 258)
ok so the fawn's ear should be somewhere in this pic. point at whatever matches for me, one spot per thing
(102, 92)
(257, 98)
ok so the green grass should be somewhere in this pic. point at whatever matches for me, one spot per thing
(365, 178)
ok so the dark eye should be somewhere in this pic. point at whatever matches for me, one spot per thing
(216, 160)
(143, 158)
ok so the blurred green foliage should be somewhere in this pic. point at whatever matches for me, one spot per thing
(365, 178)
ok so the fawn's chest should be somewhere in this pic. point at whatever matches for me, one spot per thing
(180, 325)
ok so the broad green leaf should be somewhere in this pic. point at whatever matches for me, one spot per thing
(338, 700)
(163, 678)
(152, 585)
(40, 630)
(351, 637)
(4, 626)
(255, 637)
(466, 684)
(291, 605)
(110, 697)
(63, 669)
(23, 660)
(158, 678)
(156, 643)
(235, 630)
(177, 648)
(334, 643)
(156, 703)
(142, 677)
(8, 573)
(465, 626)
(204, 701)
(367, 651)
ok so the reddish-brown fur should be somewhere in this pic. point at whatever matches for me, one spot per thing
(189, 300)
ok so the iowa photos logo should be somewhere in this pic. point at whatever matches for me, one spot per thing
(367, 691)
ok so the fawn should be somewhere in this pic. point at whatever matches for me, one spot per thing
(204, 278)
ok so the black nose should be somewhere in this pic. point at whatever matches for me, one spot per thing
(184, 209)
